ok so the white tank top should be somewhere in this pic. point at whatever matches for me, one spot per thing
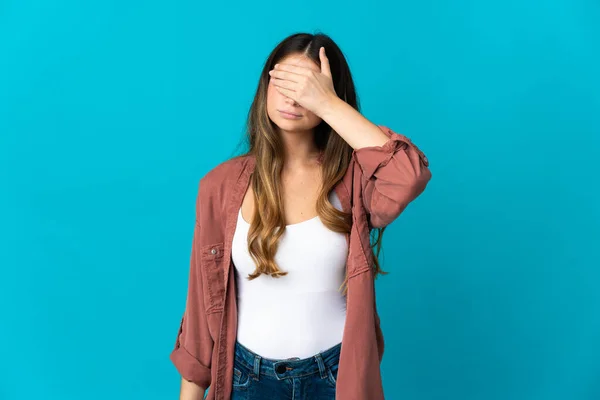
(299, 314)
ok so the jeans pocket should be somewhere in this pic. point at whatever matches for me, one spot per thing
(241, 378)
(332, 372)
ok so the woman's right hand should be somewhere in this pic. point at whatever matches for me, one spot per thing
(191, 391)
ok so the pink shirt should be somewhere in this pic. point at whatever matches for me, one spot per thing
(378, 185)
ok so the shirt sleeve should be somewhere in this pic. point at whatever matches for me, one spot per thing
(194, 345)
(393, 175)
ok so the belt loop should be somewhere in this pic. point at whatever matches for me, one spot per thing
(321, 364)
(257, 366)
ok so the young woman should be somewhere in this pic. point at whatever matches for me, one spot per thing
(281, 296)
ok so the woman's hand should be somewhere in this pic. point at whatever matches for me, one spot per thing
(312, 90)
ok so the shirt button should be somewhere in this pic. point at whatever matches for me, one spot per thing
(280, 368)
(213, 251)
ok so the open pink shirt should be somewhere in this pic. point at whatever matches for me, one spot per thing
(378, 185)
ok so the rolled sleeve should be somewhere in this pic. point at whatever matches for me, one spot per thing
(188, 366)
(393, 175)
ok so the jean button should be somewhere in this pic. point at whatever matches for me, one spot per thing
(280, 368)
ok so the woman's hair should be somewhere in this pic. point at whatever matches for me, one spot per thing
(265, 144)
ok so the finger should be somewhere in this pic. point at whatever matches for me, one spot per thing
(325, 68)
(284, 75)
(295, 69)
(284, 84)
(286, 92)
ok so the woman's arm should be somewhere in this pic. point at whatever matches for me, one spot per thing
(393, 175)
(193, 349)
(394, 170)
(350, 124)
(191, 391)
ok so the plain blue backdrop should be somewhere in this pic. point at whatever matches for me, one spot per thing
(110, 113)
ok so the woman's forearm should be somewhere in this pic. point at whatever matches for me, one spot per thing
(191, 391)
(351, 125)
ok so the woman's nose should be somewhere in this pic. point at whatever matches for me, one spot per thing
(291, 101)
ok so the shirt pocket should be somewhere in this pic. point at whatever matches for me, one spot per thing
(213, 271)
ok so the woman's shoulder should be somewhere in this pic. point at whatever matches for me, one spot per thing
(224, 174)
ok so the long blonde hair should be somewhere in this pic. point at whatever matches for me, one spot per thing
(268, 223)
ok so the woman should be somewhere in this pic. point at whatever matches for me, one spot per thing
(281, 300)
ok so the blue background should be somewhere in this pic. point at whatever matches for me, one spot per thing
(110, 112)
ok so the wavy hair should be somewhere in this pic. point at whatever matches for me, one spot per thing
(265, 144)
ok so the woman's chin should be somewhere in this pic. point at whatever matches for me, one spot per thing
(289, 123)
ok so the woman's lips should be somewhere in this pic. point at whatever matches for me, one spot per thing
(288, 115)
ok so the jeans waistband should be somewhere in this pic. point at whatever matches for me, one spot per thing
(290, 367)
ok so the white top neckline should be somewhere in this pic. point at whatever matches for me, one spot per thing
(241, 218)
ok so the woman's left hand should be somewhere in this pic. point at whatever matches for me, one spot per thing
(312, 90)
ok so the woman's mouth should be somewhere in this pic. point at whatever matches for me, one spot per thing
(288, 115)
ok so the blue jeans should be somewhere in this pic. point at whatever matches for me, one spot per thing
(257, 378)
